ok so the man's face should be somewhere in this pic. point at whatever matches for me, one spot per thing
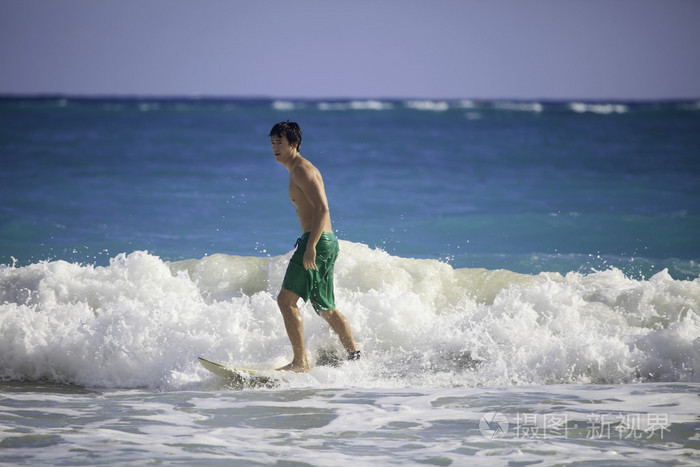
(281, 148)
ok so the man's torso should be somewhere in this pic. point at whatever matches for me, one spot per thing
(300, 201)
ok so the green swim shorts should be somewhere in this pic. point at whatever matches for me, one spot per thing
(316, 285)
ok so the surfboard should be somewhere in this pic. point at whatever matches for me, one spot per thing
(239, 376)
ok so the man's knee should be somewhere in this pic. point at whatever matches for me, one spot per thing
(286, 300)
(329, 314)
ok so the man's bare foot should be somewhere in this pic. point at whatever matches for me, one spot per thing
(297, 368)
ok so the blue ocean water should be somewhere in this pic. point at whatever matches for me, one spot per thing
(523, 279)
(527, 187)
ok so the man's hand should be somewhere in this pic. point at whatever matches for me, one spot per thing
(309, 257)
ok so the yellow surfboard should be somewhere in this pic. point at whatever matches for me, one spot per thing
(239, 376)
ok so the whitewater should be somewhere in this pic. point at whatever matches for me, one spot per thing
(141, 322)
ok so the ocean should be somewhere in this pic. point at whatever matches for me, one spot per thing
(523, 279)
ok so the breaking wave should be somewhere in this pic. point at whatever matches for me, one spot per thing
(141, 322)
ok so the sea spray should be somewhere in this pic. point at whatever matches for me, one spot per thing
(141, 322)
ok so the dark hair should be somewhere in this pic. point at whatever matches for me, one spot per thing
(289, 130)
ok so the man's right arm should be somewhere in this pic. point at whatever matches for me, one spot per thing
(309, 181)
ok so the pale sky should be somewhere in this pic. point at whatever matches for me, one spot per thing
(516, 49)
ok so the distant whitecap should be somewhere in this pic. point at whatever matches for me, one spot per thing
(433, 106)
(371, 105)
(467, 104)
(283, 105)
(355, 105)
(519, 106)
(604, 109)
(147, 107)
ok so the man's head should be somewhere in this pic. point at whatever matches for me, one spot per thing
(289, 130)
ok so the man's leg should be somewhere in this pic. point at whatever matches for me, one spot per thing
(341, 327)
(287, 302)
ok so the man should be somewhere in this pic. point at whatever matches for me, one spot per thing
(310, 271)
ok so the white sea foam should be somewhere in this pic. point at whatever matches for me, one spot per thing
(371, 105)
(545, 425)
(519, 106)
(142, 322)
(467, 104)
(432, 106)
(605, 109)
(355, 105)
(148, 106)
(283, 105)
(689, 105)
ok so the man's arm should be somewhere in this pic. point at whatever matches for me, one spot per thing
(311, 184)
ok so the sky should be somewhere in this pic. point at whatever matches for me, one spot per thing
(433, 49)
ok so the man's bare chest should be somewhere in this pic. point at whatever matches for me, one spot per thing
(296, 195)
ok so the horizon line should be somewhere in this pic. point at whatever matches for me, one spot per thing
(232, 97)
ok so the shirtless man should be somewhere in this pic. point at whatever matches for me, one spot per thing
(310, 271)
